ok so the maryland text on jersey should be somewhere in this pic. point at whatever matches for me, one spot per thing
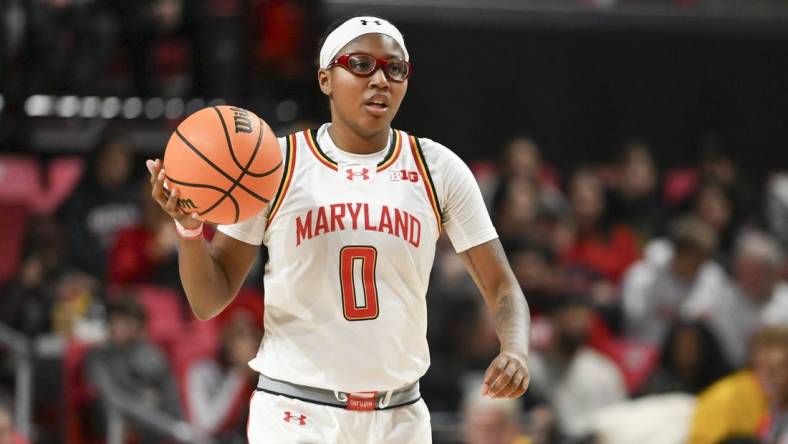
(358, 216)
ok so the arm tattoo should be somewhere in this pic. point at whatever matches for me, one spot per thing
(503, 310)
(503, 294)
(512, 320)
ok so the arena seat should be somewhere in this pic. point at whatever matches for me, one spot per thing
(20, 180)
(636, 360)
(77, 393)
(186, 352)
(165, 318)
(63, 175)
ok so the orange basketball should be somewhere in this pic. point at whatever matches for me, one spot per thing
(226, 163)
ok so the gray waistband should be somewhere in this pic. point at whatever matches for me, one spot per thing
(400, 397)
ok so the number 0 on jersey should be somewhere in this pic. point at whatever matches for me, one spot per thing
(357, 276)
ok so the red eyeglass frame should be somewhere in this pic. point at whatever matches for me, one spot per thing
(342, 60)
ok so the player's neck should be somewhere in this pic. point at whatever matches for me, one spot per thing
(348, 140)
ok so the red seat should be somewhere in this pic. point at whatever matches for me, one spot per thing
(635, 360)
(20, 179)
(77, 392)
(165, 318)
(249, 301)
(187, 352)
(63, 175)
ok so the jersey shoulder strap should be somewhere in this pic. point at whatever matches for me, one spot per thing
(424, 170)
(287, 176)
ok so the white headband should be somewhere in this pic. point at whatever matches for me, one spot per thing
(353, 28)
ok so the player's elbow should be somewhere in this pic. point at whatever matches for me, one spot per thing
(205, 312)
(203, 315)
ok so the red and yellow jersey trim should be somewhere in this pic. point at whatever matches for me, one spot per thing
(429, 186)
(391, 156)
(287, 177)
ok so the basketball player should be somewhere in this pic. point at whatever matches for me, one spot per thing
(351, 236)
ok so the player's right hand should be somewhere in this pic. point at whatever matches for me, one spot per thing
(168, 201)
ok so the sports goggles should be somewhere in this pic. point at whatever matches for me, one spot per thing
(364, 65)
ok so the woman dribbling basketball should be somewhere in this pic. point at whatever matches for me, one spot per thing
(351, 237)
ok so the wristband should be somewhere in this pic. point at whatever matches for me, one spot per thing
(189, 234)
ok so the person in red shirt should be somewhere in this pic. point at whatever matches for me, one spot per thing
(598, 245)
(146, 253)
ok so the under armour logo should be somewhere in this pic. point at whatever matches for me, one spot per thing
(364, 173)
(301, 419)
(377, 22)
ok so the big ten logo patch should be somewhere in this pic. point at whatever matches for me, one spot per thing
(404, 175)
(243, 123)
(300, 419)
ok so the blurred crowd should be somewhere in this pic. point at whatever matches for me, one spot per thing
(658, 297)
(169, 48)
(659, 301)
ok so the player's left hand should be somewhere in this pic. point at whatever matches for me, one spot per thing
(507, 376)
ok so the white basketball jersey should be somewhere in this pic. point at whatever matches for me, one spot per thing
(350, 249)
(351, 244)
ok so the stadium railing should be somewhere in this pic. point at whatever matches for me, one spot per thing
(120, 407)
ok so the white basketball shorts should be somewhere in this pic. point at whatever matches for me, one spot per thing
(275, 419)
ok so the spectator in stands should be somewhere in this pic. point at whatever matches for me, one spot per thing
(535, 267)
(777, 208)
(522, 158)
(218, 389)
(673, 274)
(8, 434)
(752, 403)
(713, 205)
(718, 164)
(691, 360)
(599, 245)
(129, 370)
(105, 202)
(146, 253)
(516, 206)
(635, 200)
(526, 188)
(78, 310)
(757, 297)
(27, 300)
(575, 379)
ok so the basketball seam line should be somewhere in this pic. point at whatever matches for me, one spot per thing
(243, 171)
(198, 185)
(232, 150)
(227, 137)
(219, 170)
